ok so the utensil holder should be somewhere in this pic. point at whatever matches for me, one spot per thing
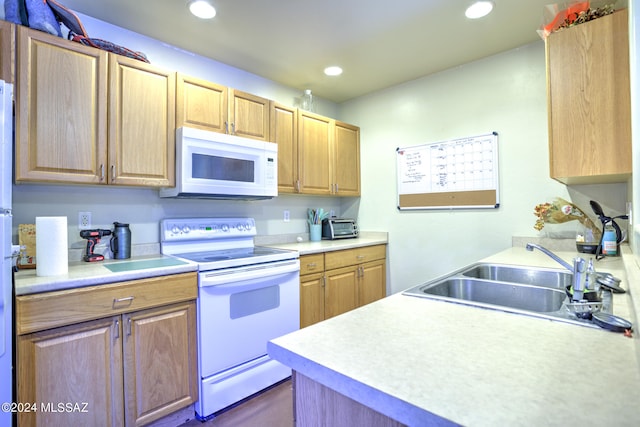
(315, 232)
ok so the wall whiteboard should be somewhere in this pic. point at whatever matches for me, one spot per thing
(454, 174)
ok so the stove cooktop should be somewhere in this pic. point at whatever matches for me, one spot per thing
(215, 259)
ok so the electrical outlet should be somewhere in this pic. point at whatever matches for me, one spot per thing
(287, 216)
(84, 220)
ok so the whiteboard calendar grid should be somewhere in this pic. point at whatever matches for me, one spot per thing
(459, 173)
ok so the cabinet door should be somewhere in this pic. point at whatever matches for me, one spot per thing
(589, 101)
(249, 115)
(201, 104)
(311, 299)
(314, 153)
(346, 154)
(160, 368)
(7, 51)
(61, 110)
(141, 124)
(340, 292)
(284, 132)
(372, 285)
(79, 365)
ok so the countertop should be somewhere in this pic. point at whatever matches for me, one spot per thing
(110, 271)
(307, 247)
(82, 274)
(423, 361)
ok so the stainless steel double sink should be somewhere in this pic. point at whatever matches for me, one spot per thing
(532, 291)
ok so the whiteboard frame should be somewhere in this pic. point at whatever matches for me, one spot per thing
(454, 194)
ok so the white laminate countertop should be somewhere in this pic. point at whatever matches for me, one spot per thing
(423, 361)
(307, 247)
(82, 274)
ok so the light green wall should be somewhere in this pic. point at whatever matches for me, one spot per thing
(505, 93)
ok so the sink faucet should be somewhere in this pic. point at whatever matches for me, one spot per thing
(532, 246)
(578, 270)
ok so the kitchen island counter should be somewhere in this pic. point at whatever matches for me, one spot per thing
(81, 274)
(422, 361)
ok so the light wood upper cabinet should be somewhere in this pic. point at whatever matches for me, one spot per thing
(61, 110)
(248, 115)
(205, 105)
(315, 139)
(201, 104)
(7, 51)
(589, 101)
(346, 154)
(316, 155)
(141, 123)
(284, 132)
(86, 116)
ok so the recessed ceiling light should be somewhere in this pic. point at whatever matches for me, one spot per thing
(202, 9)
(479, 9)
(334, 70)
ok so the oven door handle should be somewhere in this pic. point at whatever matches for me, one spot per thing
(236, 277)
(246, 285)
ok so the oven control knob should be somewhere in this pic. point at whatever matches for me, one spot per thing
(240, 227)
(225, 228)
(175, 229)
(186, 229)
(247, 226)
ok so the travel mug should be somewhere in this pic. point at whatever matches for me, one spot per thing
(121, 241)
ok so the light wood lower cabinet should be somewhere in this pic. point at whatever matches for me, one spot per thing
(335, 282)
(125, 369)
(318, 405)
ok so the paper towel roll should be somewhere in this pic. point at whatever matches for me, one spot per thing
(52, 250)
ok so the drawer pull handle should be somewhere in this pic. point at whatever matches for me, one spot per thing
(117, 301)
(311, 265)
(360, 257)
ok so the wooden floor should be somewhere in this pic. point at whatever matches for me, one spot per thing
(272, 408)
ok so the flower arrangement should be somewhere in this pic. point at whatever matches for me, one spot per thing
(559, 212)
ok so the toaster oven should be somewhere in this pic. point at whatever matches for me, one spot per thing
(337, 228)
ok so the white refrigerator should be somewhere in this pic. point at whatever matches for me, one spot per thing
(6, 286)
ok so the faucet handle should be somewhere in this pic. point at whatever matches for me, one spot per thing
(579, 267)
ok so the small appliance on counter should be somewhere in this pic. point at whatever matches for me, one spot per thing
(120, 243)
(339, 228)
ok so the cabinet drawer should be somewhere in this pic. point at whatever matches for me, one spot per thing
(52, 309)
(354, 256)
(311, 264)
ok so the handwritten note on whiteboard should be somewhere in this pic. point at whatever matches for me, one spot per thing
(458, 173)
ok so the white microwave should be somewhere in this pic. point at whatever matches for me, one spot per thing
(212, 165)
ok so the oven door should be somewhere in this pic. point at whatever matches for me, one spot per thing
(241, 309)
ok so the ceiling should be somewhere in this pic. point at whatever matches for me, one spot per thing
(378, 43)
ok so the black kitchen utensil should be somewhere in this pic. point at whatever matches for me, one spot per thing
(597, 209)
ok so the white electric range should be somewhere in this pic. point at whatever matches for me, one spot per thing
(247, 295)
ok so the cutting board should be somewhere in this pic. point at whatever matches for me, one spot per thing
(27, 242)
